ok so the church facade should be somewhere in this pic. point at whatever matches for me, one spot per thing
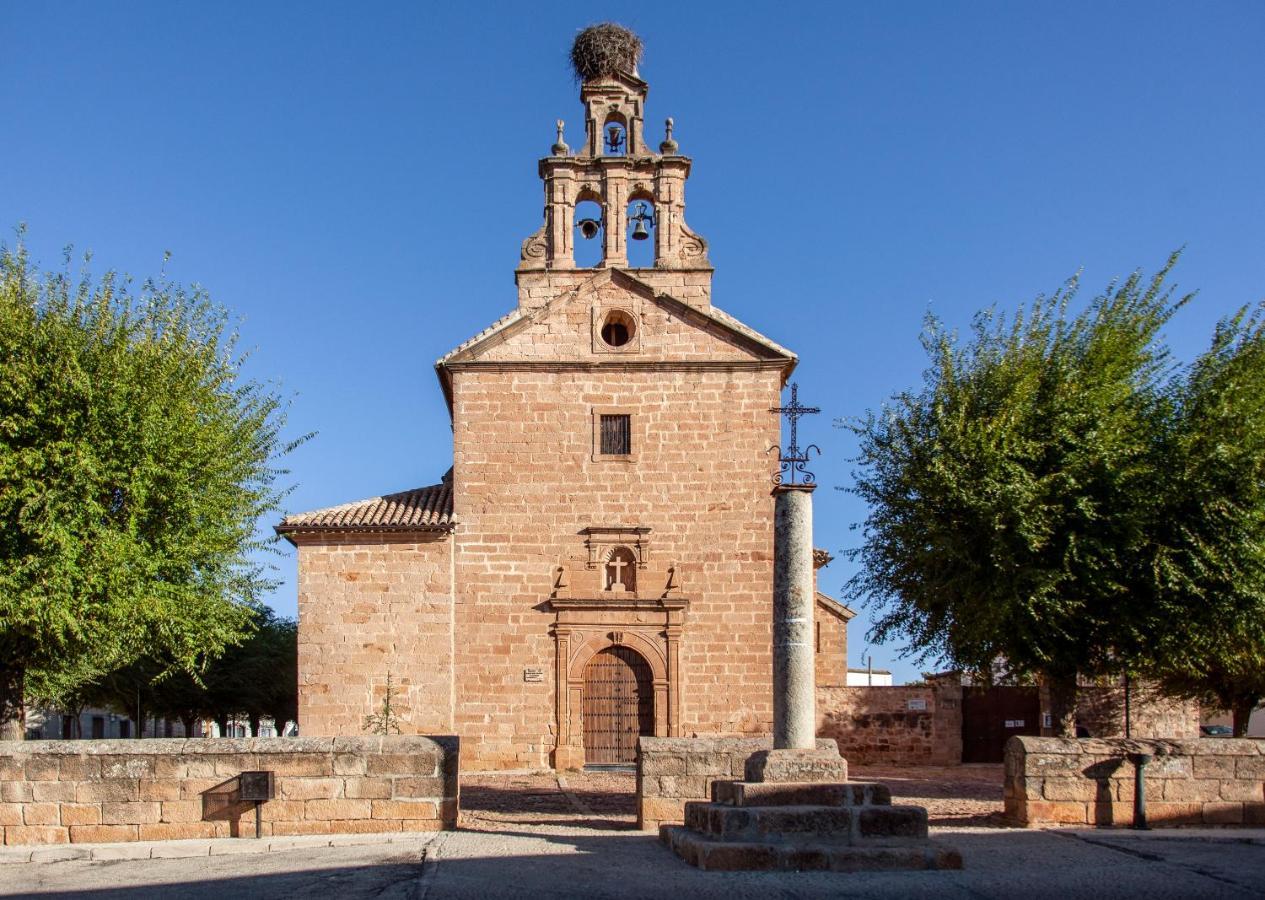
(597, 563)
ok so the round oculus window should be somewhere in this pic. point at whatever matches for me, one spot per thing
(618, 328)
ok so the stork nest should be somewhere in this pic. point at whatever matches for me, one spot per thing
(603, 50)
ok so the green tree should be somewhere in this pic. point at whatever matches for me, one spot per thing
(1211, 564)
(135, 459)
(1012, 496)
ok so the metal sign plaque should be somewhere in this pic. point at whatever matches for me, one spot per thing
(255, 787)
(534, 676)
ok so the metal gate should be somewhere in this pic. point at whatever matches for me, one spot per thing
(992, 715)
(618, 706)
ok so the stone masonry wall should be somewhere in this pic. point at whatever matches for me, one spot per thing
(1204, 781)
(370, 605)
(527, 483)
(57, 792)
(674, 771)
(1101, 710)
(897, 726)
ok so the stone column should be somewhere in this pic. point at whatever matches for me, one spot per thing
(794, 678)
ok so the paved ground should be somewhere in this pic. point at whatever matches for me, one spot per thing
(531, 835)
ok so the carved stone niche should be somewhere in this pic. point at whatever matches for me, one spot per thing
(602, 539)
(583, 627)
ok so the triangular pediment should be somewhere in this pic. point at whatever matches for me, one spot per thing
(569, 329)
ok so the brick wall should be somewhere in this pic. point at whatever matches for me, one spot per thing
(370, 605)
(1208, 781)
(674, 771)
(57, 792)
(886, 726)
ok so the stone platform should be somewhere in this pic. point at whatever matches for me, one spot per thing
(801, 825)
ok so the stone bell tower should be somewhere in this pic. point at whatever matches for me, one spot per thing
(615, 168)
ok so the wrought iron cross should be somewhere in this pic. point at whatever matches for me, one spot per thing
(794, 459)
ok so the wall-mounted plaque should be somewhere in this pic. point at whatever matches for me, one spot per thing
(534, 676)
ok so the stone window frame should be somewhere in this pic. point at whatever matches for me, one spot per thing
(636, 434)
(599, 315)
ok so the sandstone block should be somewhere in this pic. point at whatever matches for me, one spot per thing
(177, 811)
(408, 786)
(1223, 813)
(366, 788)
(323, 788)
(403, 764)
(175, 831)
(130, 813)
(35, 834)
(403, 809)
(158, 789)
(115, 789)
(1062, 813)
(338, 809)
(41, 814)
(95, 834)
(10, 814)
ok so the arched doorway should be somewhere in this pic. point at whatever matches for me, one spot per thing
(618, 706)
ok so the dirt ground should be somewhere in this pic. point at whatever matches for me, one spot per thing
(954, 796)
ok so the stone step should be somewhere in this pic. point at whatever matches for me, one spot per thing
(771, 823)
(850, 793)
(809, 854)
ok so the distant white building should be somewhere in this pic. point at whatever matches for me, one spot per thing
(869, 678)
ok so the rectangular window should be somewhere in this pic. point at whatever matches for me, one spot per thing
(616, 437)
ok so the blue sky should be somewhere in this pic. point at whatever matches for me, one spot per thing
(353, 181)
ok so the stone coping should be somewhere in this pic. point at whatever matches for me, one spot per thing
(396, 743)
(209, 847)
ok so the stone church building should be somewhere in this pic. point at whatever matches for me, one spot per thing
(597, 563)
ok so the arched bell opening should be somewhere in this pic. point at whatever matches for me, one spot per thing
(615, 136)
(589, 240)
(642, 221)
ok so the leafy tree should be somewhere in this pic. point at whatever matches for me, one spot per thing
(1211, 564)
(257, 678)
(135, 459)
(1012, 497)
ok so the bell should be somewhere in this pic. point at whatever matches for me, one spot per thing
(588, 228)
(640, 232)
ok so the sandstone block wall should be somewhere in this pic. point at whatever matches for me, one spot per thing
(370, 605)
(1101, 710)
(674, 771)
(1203, 781)
(57, 792)
(896, 726)
(527, 484)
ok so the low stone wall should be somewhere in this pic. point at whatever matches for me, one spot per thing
(895, 726)
(1204, 781)
(673, 771)
(57, 792)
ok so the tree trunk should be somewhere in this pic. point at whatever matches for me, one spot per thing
(1243, 708)
(12, 702)
(222, 722)
(1063, 690)
(187, 721)
(253, 718)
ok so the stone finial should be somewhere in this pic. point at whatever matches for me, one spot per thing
(560, 147)
(669, 147)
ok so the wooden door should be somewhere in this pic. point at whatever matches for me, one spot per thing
(993, 715)
(618, 706)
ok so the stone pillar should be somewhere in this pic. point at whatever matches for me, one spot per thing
(794, 678)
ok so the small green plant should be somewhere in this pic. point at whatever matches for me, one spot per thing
(385, 720)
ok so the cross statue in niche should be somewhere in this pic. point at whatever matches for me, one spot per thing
(614, 566)
(794, 459)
